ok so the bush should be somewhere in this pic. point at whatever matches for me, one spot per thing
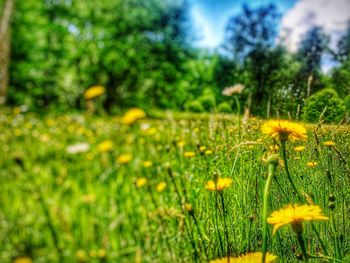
(195, 106)
(316, 104)
(208, 101)
(225, 107)
(347, 103)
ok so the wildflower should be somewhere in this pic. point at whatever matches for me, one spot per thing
(147, 164)
(94, 92)
(133, 115)
(189, 154)
(247, 258)
(181, 143)
(299, 148)
(124, 158)
(141, 182)
(236, 89)
(78, 148)
(311, 164)
(23, 260)
(274, 148)
(284, 130)
(202, 148)
(329, 143)
(295, 215)
(105, 146)
(221, 184)
(188, 207)
(161, 187)
(208, 152)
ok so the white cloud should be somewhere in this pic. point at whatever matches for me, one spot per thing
(209, 36)
(332, 15)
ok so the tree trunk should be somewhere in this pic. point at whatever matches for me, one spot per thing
(5, 47)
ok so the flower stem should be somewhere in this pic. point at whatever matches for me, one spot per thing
(271, 171)
(302, 246)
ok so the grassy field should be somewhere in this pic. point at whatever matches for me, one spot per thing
(78, 188)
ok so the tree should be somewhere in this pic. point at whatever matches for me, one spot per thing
(249, 38)
(311, 49)
(5, 47)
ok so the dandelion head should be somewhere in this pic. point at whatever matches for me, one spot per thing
(284, 130)
(247, 258)
(221, 184)
(161, 187)
(133, 115)
(189, 154)
(311, 164)
(124, 158)
(295, 215)
(94, 92)
(299, 148)
(329, 144)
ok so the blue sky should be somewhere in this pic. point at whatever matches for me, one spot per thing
(210, 16)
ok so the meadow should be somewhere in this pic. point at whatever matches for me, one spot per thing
(83, 188)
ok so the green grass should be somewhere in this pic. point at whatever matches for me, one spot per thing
(85, 207)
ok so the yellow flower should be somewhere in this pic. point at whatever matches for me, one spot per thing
(23, 260)
(93, 92)
(284, 130)
(189, 154)
(81, 255)
(124, 158)
(141, 182)
(147, 164)
(311, 164)
(133, 115)
(188, 207)
(274, 147)
(202, 148)
(161, 187)
(299, 148)
(90, 198)
(208, 152)
(295, 215)
(105, 146)
(247, 258)
(222, 183)
(329, 143)
(181, 143)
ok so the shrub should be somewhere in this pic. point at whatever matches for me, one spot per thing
(195, 106)
(347, 103)
(316, 104)
(225, 107)
(208, 101)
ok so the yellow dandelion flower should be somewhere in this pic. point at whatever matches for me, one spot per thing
(202, 148)
(94, 92)
(247, 258)
(105, 146)
(222, 183)
(133, 115)
(284, 130)
(81, 255)
(181, 143)
(188, 207)
(295, 214)
(124, 158)
(329, 143)
(311, 164)
(208, 152)
(141, 182)
(23, 260)
(147, 164)
(299, 148)
(189, 154)
(161, 187)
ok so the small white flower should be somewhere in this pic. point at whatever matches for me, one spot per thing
(78, 148)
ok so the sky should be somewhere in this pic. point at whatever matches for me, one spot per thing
(298, 16)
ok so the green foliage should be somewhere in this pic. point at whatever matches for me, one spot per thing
(224, 107)
(194, 106)
(347, 103)
(326, 101)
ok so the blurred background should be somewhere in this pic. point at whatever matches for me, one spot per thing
(173, 54)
